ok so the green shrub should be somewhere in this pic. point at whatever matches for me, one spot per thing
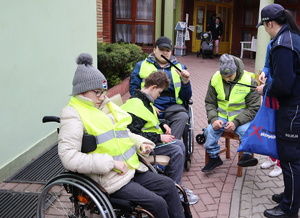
(117, 60)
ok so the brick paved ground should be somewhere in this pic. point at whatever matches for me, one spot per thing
(221, 193)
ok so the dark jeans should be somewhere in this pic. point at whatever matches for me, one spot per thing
(176, 152)
(154, 192)
(177, 119)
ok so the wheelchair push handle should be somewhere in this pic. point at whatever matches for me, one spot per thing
(47, 119)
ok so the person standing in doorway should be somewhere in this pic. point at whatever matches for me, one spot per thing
(217, 30)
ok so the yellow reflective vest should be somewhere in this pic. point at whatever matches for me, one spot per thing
(147, 68)
(136, 107)
(111, 138)
(236, 104)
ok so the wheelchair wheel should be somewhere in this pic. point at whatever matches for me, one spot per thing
(191, 131)
(200, 138)
(73, 197)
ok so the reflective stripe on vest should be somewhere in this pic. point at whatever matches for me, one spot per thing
(147, 68)
(104, 137)
(137, 107)
(236, 104)
(111, 138)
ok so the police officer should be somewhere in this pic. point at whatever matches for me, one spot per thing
(284, 63)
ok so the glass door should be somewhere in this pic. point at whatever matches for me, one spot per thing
(200, 25)
(225, 13)
(203, 12)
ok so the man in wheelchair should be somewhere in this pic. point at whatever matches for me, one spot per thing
(171, 100)
(145, 122)
(114, 164)
(231, 104)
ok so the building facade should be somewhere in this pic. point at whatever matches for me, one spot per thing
(142, 21)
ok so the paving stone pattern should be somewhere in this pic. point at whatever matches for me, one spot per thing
(221, 193)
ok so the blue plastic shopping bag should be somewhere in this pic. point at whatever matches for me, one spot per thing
(260, 137)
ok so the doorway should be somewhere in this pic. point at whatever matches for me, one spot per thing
(202, 16)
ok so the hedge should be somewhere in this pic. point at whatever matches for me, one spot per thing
(117, 60)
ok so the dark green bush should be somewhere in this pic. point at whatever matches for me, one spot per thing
(117, 60)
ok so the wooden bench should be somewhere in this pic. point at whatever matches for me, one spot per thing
(248, 46)
(228, 136)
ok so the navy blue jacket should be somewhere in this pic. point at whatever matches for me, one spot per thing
(161, 102)
(284, 61)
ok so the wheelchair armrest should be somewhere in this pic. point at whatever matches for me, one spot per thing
(160, 159)
(143, 159)
(47, 119)
(187, 103)
(89, 143)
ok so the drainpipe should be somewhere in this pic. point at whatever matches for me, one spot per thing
(263, 39)
(162, 27)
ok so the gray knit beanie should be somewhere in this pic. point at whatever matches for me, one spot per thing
(87, 77)
(227, 65)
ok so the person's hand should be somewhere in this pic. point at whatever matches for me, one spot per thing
(217, 124)
(157, 110)
(230, 126)
(167, 138)
(146, 148)
(168, 129)
(262, 77)
(185, 76)
(260, 89)
(120, 167)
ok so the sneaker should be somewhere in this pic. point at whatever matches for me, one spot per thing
(192, 198)
(212, 164)
(277, 171)
(267, 164)
(247, 161)
(187, 190)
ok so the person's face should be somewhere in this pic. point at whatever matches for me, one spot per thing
(269, 28)
(229, 77)
(217, 20)
(154, 92)
(97, 96)
(162, 51)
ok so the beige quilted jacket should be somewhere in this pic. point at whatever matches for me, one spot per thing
(97, 166)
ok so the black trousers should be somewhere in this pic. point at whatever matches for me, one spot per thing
(288, 145)
(154, 192)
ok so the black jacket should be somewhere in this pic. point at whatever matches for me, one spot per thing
(216, 31)
(138, 123)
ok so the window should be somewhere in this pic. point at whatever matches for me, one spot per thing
(134, 21)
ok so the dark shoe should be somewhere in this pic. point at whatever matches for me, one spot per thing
(277, 197)
(212, 164)
(277, 212)
(247, 161)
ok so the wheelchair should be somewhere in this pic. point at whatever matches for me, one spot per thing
(188, 134)
(75, 195)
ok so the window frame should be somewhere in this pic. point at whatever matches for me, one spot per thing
(133, 21)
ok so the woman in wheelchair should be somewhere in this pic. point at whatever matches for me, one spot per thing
(114, 163)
